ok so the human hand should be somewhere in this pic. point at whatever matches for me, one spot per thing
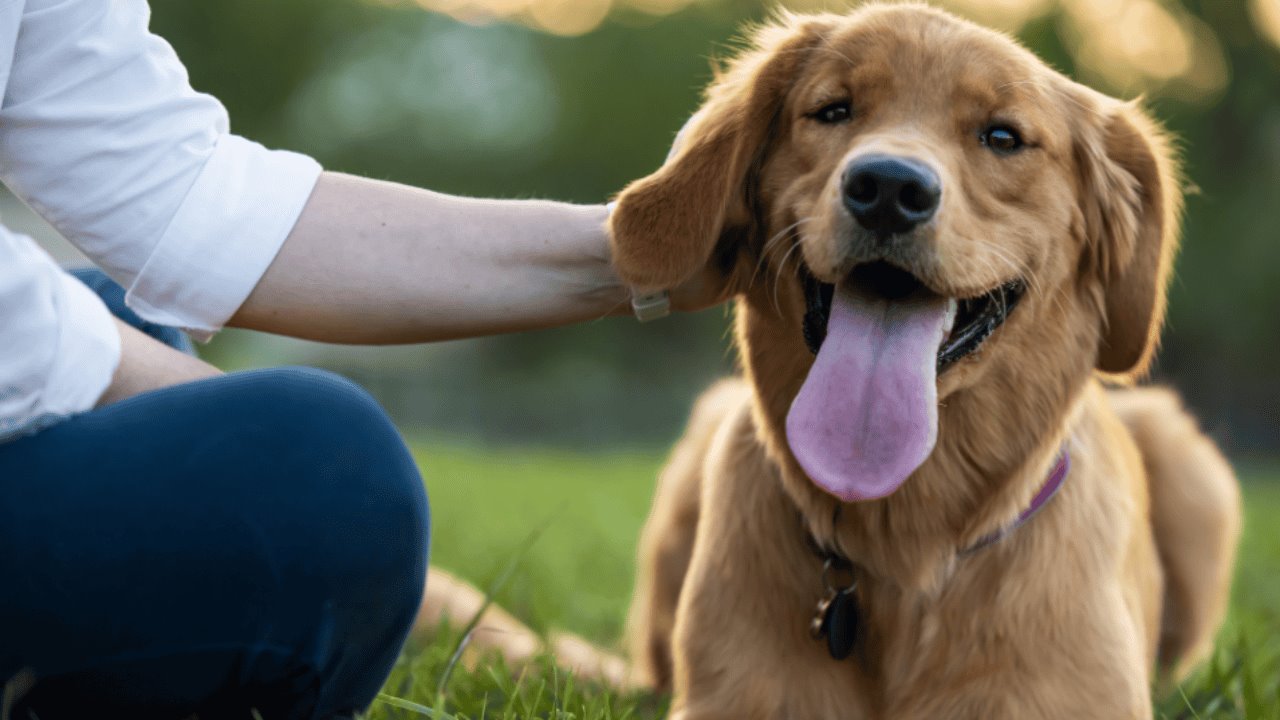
(147, 364)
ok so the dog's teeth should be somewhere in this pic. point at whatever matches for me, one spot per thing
(949, 320)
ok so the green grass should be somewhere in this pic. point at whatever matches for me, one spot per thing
(584, 512)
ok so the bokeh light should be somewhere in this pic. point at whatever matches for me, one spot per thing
(1143, 45)
(1010, 15)
(404, 81)
(1125, 46)
(1266, 15)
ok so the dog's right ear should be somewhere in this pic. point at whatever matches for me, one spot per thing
(1132, 212)
(666, 225)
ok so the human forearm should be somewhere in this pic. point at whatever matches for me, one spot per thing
(147, 364)
(372, 262)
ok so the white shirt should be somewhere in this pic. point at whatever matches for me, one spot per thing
(102, 135)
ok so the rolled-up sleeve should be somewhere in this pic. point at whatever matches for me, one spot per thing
(102, 134)
(61, 347)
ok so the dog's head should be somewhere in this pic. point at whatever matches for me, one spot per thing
(913, 210)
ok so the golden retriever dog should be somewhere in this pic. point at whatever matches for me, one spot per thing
(919, 501)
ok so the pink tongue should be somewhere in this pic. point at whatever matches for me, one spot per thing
(867, 415)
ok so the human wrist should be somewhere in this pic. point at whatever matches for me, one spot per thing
(601, 288)
(147, 364)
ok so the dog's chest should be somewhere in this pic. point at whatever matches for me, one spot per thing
(898, 647)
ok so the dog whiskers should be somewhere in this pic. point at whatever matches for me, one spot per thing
(770, 246)
(777, 281)
(1015, 267)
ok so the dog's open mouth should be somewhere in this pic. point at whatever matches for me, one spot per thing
(867, 414)
(975, 319)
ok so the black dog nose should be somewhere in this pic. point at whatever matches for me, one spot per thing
(889, 195)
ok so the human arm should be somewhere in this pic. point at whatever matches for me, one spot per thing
(443, 267)
(377, 262)
(188, 217)
(62, 352)
(58, 348)
(147, 364)
(102, 134)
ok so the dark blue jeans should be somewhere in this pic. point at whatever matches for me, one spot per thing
(255, 541)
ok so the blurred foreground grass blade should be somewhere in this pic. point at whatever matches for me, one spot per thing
(1253, 707)
(422, 710)
(490, 593)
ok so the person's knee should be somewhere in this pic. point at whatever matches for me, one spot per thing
(326, 403)
(294, 524)
(377, 504)
(326, 413)
(361, 482)
(350, 436)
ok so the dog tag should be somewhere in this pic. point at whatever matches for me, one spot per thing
(818, 625)
(840, 624)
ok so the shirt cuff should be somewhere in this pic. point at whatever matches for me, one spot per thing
(223, 237)
(88, 351)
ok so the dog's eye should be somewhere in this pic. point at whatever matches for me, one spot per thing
(1002, 139)
(833, 113)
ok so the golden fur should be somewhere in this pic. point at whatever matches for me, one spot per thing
(1123, 575)
(450, 600)
(1062, 619)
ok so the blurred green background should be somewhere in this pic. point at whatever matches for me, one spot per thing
(564, 430)
(570, 99)
(560, 433)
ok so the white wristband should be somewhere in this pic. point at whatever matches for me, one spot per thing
(651, 306)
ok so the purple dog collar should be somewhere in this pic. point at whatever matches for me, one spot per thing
(1051, 486)
(838, 616)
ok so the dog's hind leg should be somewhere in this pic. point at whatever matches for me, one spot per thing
(449, 599)
(667, 541)
(1195, 517)
(452, 600)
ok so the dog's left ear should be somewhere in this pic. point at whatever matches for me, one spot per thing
(666, 226)
(1131, 197)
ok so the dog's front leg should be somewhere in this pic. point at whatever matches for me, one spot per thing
(743, 649)
(1085, 658)
(1023, 699)
(741, 644)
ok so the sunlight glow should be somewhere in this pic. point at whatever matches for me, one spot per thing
(1125, 46)
(1009, 15)
(1134, 46)
(568, 17)
(1266, 15)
